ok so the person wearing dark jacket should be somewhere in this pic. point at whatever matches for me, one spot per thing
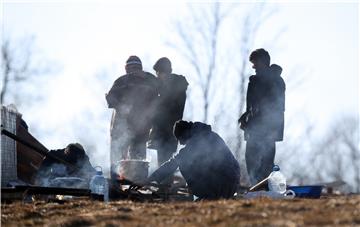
(206, 163)
(170, 108)
(263, 121)
(133, 97)
(75, 155)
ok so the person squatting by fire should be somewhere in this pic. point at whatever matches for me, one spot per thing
(207, 164)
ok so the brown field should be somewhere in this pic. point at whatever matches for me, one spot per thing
(334, 211)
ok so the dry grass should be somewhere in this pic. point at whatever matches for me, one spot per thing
(341, 210)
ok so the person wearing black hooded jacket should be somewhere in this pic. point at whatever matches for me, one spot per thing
(207, 164)
(170, 108)
(263, 121)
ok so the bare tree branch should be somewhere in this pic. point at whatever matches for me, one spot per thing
(19, 65)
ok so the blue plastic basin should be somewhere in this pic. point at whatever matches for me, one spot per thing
(308, 191)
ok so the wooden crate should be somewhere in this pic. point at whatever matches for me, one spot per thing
(18, 162)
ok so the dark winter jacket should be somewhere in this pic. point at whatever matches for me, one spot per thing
(171, 103)
(206, 163)
(133, 96)
(265, 105)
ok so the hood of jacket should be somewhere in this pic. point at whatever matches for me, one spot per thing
(276, 70)
(199, 128)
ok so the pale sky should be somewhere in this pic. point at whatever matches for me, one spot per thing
(320, 41)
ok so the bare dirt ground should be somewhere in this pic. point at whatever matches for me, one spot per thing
(334, 211)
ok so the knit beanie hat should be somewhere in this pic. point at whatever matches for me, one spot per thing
(133, 60)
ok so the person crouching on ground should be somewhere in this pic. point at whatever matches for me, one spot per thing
(207, 164)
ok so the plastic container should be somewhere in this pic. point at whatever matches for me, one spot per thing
(289, 194)
(99, 185)
(308, 191)
(277, 181)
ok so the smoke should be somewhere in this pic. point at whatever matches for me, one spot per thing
(78, 112)
(45, 175)
(55, 175)
(120, 137)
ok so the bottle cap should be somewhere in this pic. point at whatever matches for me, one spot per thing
(98, 172)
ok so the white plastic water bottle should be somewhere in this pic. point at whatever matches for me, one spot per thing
(277, 181)
(99, 185)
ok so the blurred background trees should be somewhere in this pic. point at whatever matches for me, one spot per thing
(22, 69)
(332, 157)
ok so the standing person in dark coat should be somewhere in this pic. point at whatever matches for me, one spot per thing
(133, 98)
(170, 108)
(208, 166)
(263, 121)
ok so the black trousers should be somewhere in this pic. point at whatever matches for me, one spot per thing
(259, 157)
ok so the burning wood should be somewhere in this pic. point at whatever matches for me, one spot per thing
(124, 189)
(131, 169)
